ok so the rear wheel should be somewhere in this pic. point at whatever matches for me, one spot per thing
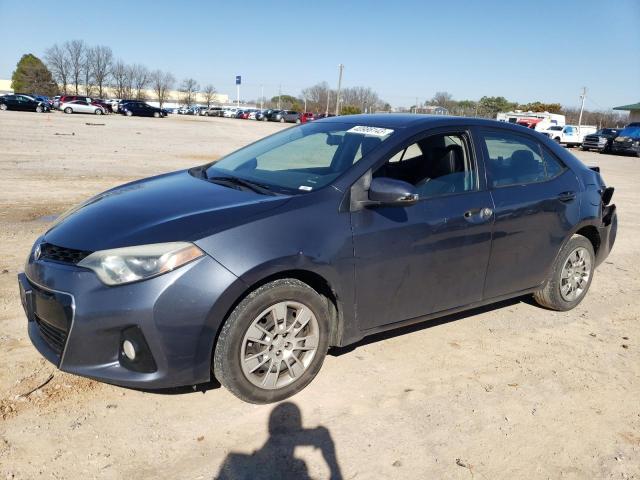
(98, 111)
(3, 106)
(570, 277)
(68, 110)
(128, 113)
(273, 343)
(156, 114)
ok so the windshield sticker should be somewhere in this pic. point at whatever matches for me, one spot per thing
(306, 188)
(375, 131)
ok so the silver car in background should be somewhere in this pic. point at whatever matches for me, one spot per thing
(81, 106)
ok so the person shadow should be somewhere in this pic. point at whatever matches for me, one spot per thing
(275, 459)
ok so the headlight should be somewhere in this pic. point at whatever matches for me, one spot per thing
(130, 264)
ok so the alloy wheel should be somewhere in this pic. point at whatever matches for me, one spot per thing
(279, 345)
(576, 271)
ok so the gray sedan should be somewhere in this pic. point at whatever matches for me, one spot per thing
(81, 106)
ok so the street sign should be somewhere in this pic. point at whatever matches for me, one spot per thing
(238, 79)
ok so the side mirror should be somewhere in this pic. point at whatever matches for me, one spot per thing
(389, 192)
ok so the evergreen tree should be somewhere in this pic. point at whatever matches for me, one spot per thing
(32, 76)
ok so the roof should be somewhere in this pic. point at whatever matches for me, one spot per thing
(633, 106)
(407, 120)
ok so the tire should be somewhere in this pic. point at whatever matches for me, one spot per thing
(98, 111)
(265, 119)
(39, 109)
(3, 106)
(584, 149)
(557, 140)
(128, 113)
(68, 110)
(156, 115)
(233, 343)
(282, 120)
(552, 295)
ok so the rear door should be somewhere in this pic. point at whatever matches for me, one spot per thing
(431, 256)
(536, 206)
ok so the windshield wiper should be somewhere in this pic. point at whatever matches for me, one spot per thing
(241, 182)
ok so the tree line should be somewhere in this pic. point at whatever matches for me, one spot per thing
(78, 68)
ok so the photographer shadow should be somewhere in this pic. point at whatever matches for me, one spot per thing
(275, 459)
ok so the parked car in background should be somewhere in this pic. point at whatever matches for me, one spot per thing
(251, 267)
(71, 98)
(324, 115)
(108, 107)
(571, 135)
(142, 109)
(628, 140)
(230, 113)
(601, 140)
(285, 116)
(81, 106)
(55, 102)
(306, 117)
(24, 103)
(214, 112)
(263, 115)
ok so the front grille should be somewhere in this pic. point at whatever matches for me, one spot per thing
(55, 337)
(592, 138)
(62, 254)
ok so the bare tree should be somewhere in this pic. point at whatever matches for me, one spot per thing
(443, 99)
(87, 71)
(189, 89)
(162, 83)
(75, 53)
(120, 74)
(102, 60)
(58, 63)
(140, 80)
(209, 92)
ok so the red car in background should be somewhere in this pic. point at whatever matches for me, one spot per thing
(306, 117)
(106, 105)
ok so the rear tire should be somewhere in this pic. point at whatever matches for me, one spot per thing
(3, 106)
(571, 276)
(98, 111)
(265, 370)
(156, 115)
(128, 113)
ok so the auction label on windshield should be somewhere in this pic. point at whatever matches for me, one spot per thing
(375, 131)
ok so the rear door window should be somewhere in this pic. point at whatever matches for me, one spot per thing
(516, 160)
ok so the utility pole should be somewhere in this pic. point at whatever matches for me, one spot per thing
(340, 67)
(261, 97)
(582, 97)
(326, 113)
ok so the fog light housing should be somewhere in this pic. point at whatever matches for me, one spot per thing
(134, 352)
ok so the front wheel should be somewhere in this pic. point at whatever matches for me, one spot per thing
(3, 106)
(571, 276)
(128, 113)
(156, 115)
(39, 109)
(68, 110)
(98, 111)
(273, 343)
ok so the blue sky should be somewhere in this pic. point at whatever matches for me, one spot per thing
(524, 50)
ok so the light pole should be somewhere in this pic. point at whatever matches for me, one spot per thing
(326, 112)
(582, 97)
(340, 67)
(261, 97)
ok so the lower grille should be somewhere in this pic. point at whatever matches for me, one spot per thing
(55, 337)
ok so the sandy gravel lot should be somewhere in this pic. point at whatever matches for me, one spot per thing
(508, 391)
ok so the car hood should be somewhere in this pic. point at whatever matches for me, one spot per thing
(171, 207)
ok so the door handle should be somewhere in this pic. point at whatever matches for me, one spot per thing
(478, 215)
(567, 196)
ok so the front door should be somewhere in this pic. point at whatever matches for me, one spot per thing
(431, 256)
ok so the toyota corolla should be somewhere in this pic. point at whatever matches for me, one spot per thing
(251, 267)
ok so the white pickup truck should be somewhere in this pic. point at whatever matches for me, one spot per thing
(569, 135)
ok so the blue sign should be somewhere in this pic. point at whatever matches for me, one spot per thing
(238, 79)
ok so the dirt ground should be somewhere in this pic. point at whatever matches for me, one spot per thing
(508, 391)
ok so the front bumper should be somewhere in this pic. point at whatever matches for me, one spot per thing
(625, 149)
(78, 323)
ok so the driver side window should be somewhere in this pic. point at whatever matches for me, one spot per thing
(436, 165)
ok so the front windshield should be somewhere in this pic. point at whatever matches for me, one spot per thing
(630, 132)
(302, 158)
(555, 128)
